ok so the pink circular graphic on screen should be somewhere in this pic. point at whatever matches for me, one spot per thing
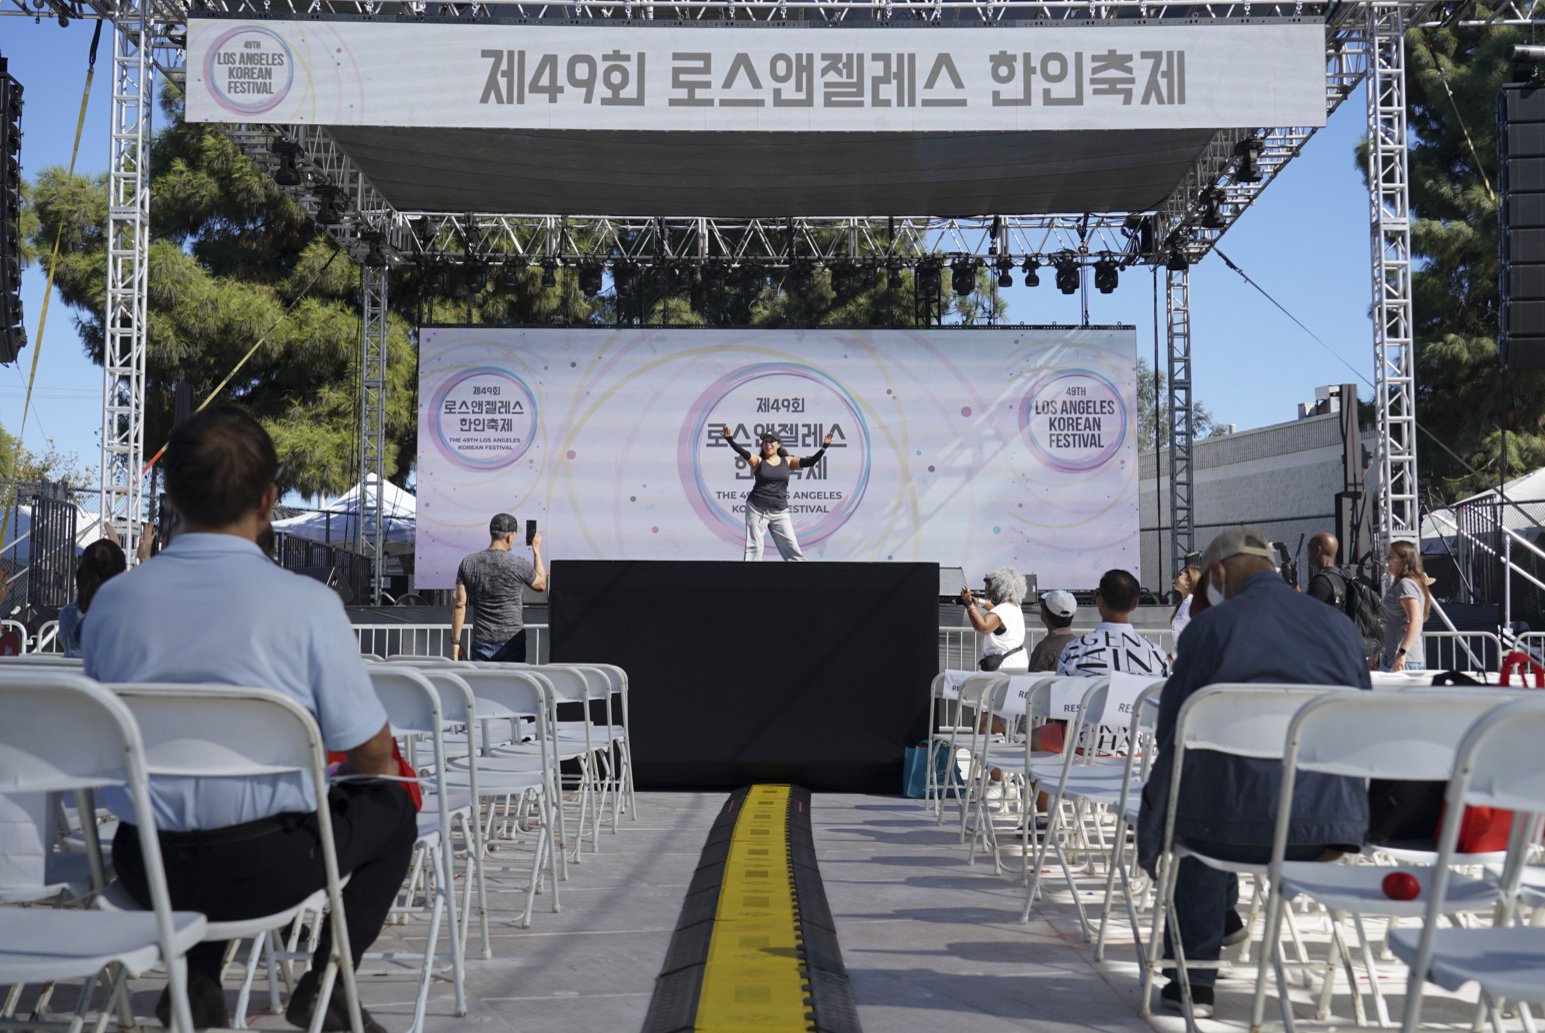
(483, 418)
(798, 403)
(249, 70)
(1074, 420)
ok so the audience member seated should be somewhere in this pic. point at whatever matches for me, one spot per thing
(1256, 629)
(100, 560)
(1113, 646)
(1057, 610)
(213, 608)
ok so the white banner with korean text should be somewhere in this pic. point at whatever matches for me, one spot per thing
(757, 78)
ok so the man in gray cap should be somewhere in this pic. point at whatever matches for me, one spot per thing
(491, 582)
(1257, 629)
(1057, 610)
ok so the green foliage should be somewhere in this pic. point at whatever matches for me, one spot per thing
(236, 267)
(24, 464)
(1462, 395)
(1153, 410)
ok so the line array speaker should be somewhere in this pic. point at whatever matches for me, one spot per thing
(1521, 161)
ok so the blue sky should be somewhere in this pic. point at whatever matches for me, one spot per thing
(1305, 242)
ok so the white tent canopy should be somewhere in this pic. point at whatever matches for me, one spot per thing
(335, 522)
(1525, 495)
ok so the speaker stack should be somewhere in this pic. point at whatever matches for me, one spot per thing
(1521, 152)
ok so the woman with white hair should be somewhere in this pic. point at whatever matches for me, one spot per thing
(999, 622)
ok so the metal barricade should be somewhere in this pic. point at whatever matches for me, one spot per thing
(385, 640)
(47, 640)
(19, 628)
(1462, 650)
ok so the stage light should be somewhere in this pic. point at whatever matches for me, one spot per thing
(1005, 271)
(842, 279)
(624, 276)
(509, 276)
(1032, 278)
(1067, 276)
(590, 279)
(1212, 209)
(963, 276)
(375, 255)
(897, 280)
(802, 278)
(715, 277)
(476, 275)
(328, 212)
(871, 277)
(751, 278)
(287, 174)
(1105, 275)
(1248, 168)
(1177, 262)
(929, 278)
(549, 274)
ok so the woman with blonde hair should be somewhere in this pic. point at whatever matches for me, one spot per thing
(1407, 605)
(1185, 589)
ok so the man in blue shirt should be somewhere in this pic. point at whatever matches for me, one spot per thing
(1257, 629)
(213, 608)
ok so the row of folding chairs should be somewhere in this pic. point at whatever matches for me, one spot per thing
(1404, 731)
(476, 782)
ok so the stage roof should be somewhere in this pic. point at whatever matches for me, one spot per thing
(762, 175)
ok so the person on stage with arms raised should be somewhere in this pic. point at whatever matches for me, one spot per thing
(767, 503)
(491, 582)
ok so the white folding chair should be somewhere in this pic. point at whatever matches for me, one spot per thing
(517, 774)
(1243, 720)
(64, 733)
(413, 708)
(1145, 715)
(227, 731)
(945, 717)
(1498, 766)
(1407, 736)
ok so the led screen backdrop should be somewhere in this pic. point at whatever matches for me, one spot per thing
(965, 448)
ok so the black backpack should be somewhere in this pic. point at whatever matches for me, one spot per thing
(1360, 601)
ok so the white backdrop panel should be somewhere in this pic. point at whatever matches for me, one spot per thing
(1013, 78)
(974, 448)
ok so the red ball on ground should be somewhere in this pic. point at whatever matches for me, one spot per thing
(1402, 885)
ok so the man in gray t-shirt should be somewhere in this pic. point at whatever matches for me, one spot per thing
(491, 582)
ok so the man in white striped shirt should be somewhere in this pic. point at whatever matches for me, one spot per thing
(1114, 646)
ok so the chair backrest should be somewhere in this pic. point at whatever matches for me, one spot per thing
(1495, 767)
(1245, 719)
(64, 732)
(1408, 735)
(412, 704)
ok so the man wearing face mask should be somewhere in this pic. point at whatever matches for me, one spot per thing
(1257, 629)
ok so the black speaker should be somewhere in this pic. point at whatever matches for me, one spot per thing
(1521, 161)
(13, 336)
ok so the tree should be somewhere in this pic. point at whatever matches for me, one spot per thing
(237, 267)
(17, 462)
(1152, 416)
(1462, 395)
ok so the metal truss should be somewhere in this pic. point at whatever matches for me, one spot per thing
(1389, 198)
(370, 528)
(128, 243)
(1182, 431)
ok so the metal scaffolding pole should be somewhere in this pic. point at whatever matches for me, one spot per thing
(128, 245)
(1177, 305)
(1394, 358)
(370, 528)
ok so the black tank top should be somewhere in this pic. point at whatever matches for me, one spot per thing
(770, 494)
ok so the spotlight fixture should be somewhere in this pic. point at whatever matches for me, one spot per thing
(871, 277)
(375, 255)
(750, 279)
(1248, 168)
(509, 275)
(476, 275)
(549, 274)
(328, 212)
(624, 276)
(1005, 271)
(963, 276)
(1177, 262)
(1105, 275)
(1032, 278)
(897, 281)
(1212, 209)
(929, 277)
(843, 274)
(802, 278)
(590, 279)
(1067, 275)
(715, 277)
(439, 280)
(287, 174)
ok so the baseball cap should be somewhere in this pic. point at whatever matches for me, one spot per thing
(503, 523)
(1059, 603)
(1238, 541)
(770, 436)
